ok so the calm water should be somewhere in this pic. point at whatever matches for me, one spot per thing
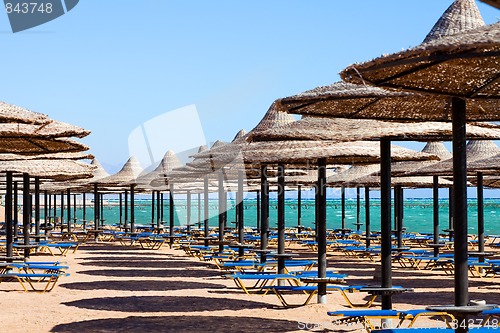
(417, 213)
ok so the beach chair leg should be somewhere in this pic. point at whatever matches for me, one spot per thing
(358, 305)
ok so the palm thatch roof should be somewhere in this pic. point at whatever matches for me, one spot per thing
(14, 114)
(488, 165)
(128, 173)
(488, 181)
(354, 172)
(28, 146)
(202, 148)
(475, 150)
(53, 156)
(275, 117)
(340, 129)
(434, 148)
(241, 133)
(59, 170)
(306, 153)
(50, 129)
(432, 67)
(169, 162)
(406, 182)
(462, 15)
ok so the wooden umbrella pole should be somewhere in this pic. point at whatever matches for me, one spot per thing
(321, 227)
(264, 211)
(26, 213)
(221, 198)
(37, 209)
(480, 215)
(367, 216)
(385, 216)
(205, 209)
(240, 212)
(435, 198)
(281, 217)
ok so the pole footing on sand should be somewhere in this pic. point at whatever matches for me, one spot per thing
(321, 299)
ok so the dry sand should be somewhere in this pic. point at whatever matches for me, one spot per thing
(122, 289)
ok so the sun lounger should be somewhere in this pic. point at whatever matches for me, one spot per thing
(40, 277)
(311, 290)
(366, 316)
(63, 247)
(261, 280)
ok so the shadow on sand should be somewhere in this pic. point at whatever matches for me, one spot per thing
(139, 285)
(152, 273)
(145, 263)
(184, 324)
(186, 304)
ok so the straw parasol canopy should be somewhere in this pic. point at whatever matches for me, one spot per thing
(241, 133)
(488, 165)
(340, 129)
(432, 67)
(15, 114)
(129, 173)
(202, 148)
(169, 162)
(476, 150)
(229, 156)
(406, 182)
(461, 16)
(434, 148)
(217, 144)
(489, 181)
(59, 170)
(33, 145)
(54, 156)
(354, 172)
(464, 68)
(306, 152)
(51, 129)
(85, 184)
(274, 118)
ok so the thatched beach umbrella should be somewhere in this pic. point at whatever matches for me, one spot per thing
(344, 179)
(475, 151)
(169, 162)
(27, 133)
(10, 113)
(274, 118)
(464, 67)
(325, 127)
(419, 107)
(128, 174)
(89, 185)
(307, 154)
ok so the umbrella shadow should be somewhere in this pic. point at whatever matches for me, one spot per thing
(110, 256)
(183, 324)
(151, 273)
(145, 263)
(186, 304)
(139, 285)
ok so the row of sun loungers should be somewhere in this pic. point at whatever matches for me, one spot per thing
(35, 276)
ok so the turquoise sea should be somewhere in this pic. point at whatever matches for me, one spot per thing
(418, 213)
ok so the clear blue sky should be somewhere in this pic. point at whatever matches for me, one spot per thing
(111, 65)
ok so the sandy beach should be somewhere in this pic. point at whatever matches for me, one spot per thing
(114, 288)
